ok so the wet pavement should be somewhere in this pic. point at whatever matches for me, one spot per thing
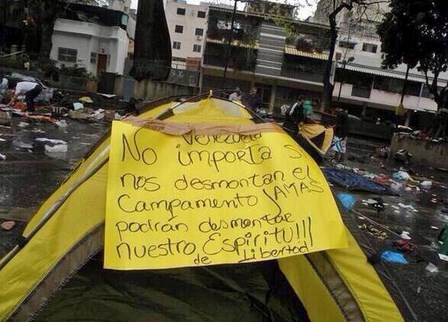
(31, 173)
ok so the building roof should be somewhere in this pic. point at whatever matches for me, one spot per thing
(384, 72)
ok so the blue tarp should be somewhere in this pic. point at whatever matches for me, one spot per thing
(353, 181)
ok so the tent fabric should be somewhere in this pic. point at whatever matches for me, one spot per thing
(318, 135)
(64, 234)
(245, 292)
(354, 181)
(354, 275)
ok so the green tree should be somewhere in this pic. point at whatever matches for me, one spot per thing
(415, 32)
(152, 48)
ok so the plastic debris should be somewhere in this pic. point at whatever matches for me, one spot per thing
(99, 114)
(347, 200)
(432, 268)
(77, 106)
(443, 257)
(426, 184)
(2, 157)
(393, 257)
(53, 141)
(8, 225)
(59, 148)
(405, 235)
(22, 145)
(85, 99)
(61, 124)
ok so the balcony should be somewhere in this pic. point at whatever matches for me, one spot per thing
(240, 58)
(303, 68)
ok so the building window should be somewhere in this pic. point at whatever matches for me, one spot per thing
(179, 29)
(67, 55)
(347, 44)
(371, 48)
(197, 48)
(199, 32)
(176, 45)
(93, 58)
(201, 14)
(181, 11)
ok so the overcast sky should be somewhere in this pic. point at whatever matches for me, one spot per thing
(304, 13)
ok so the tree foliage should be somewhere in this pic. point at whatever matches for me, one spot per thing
(337, 7)
(415, 32)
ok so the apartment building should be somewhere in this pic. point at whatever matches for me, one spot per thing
(187, 24)
(282, 57)
(360, 82)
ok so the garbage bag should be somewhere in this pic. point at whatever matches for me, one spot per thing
(347, 200)
(393, 257)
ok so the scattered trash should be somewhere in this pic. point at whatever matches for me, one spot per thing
(426, 184)
(393, 257)
(61, 124)
(434, 227)
(85, 99)
(443, 257)
(8, 225)
(401, 176)
(404, 246)
(382, 152)
(77, 106)
(347, 200)
(23, 124)
(375, 232)
(2, 157)
(59, 148)
(402, 155)
(53, 141)
(99, 114)
(405, 235)
(432, 268)
(22, 145)
(5, 118)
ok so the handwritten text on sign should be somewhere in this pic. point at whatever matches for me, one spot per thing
(189, 200)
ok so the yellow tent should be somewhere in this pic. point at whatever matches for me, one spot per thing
(68, 229)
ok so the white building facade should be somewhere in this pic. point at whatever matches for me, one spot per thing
(187, 24)
(361, 80)
(94, 47)
(120, 5)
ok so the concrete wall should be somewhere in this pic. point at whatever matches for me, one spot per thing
(423, 152)
(150, 90)
(88, 38)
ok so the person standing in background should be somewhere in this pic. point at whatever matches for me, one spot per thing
(294, 116)
(236, 95)
(252, 101)
(339, 144)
